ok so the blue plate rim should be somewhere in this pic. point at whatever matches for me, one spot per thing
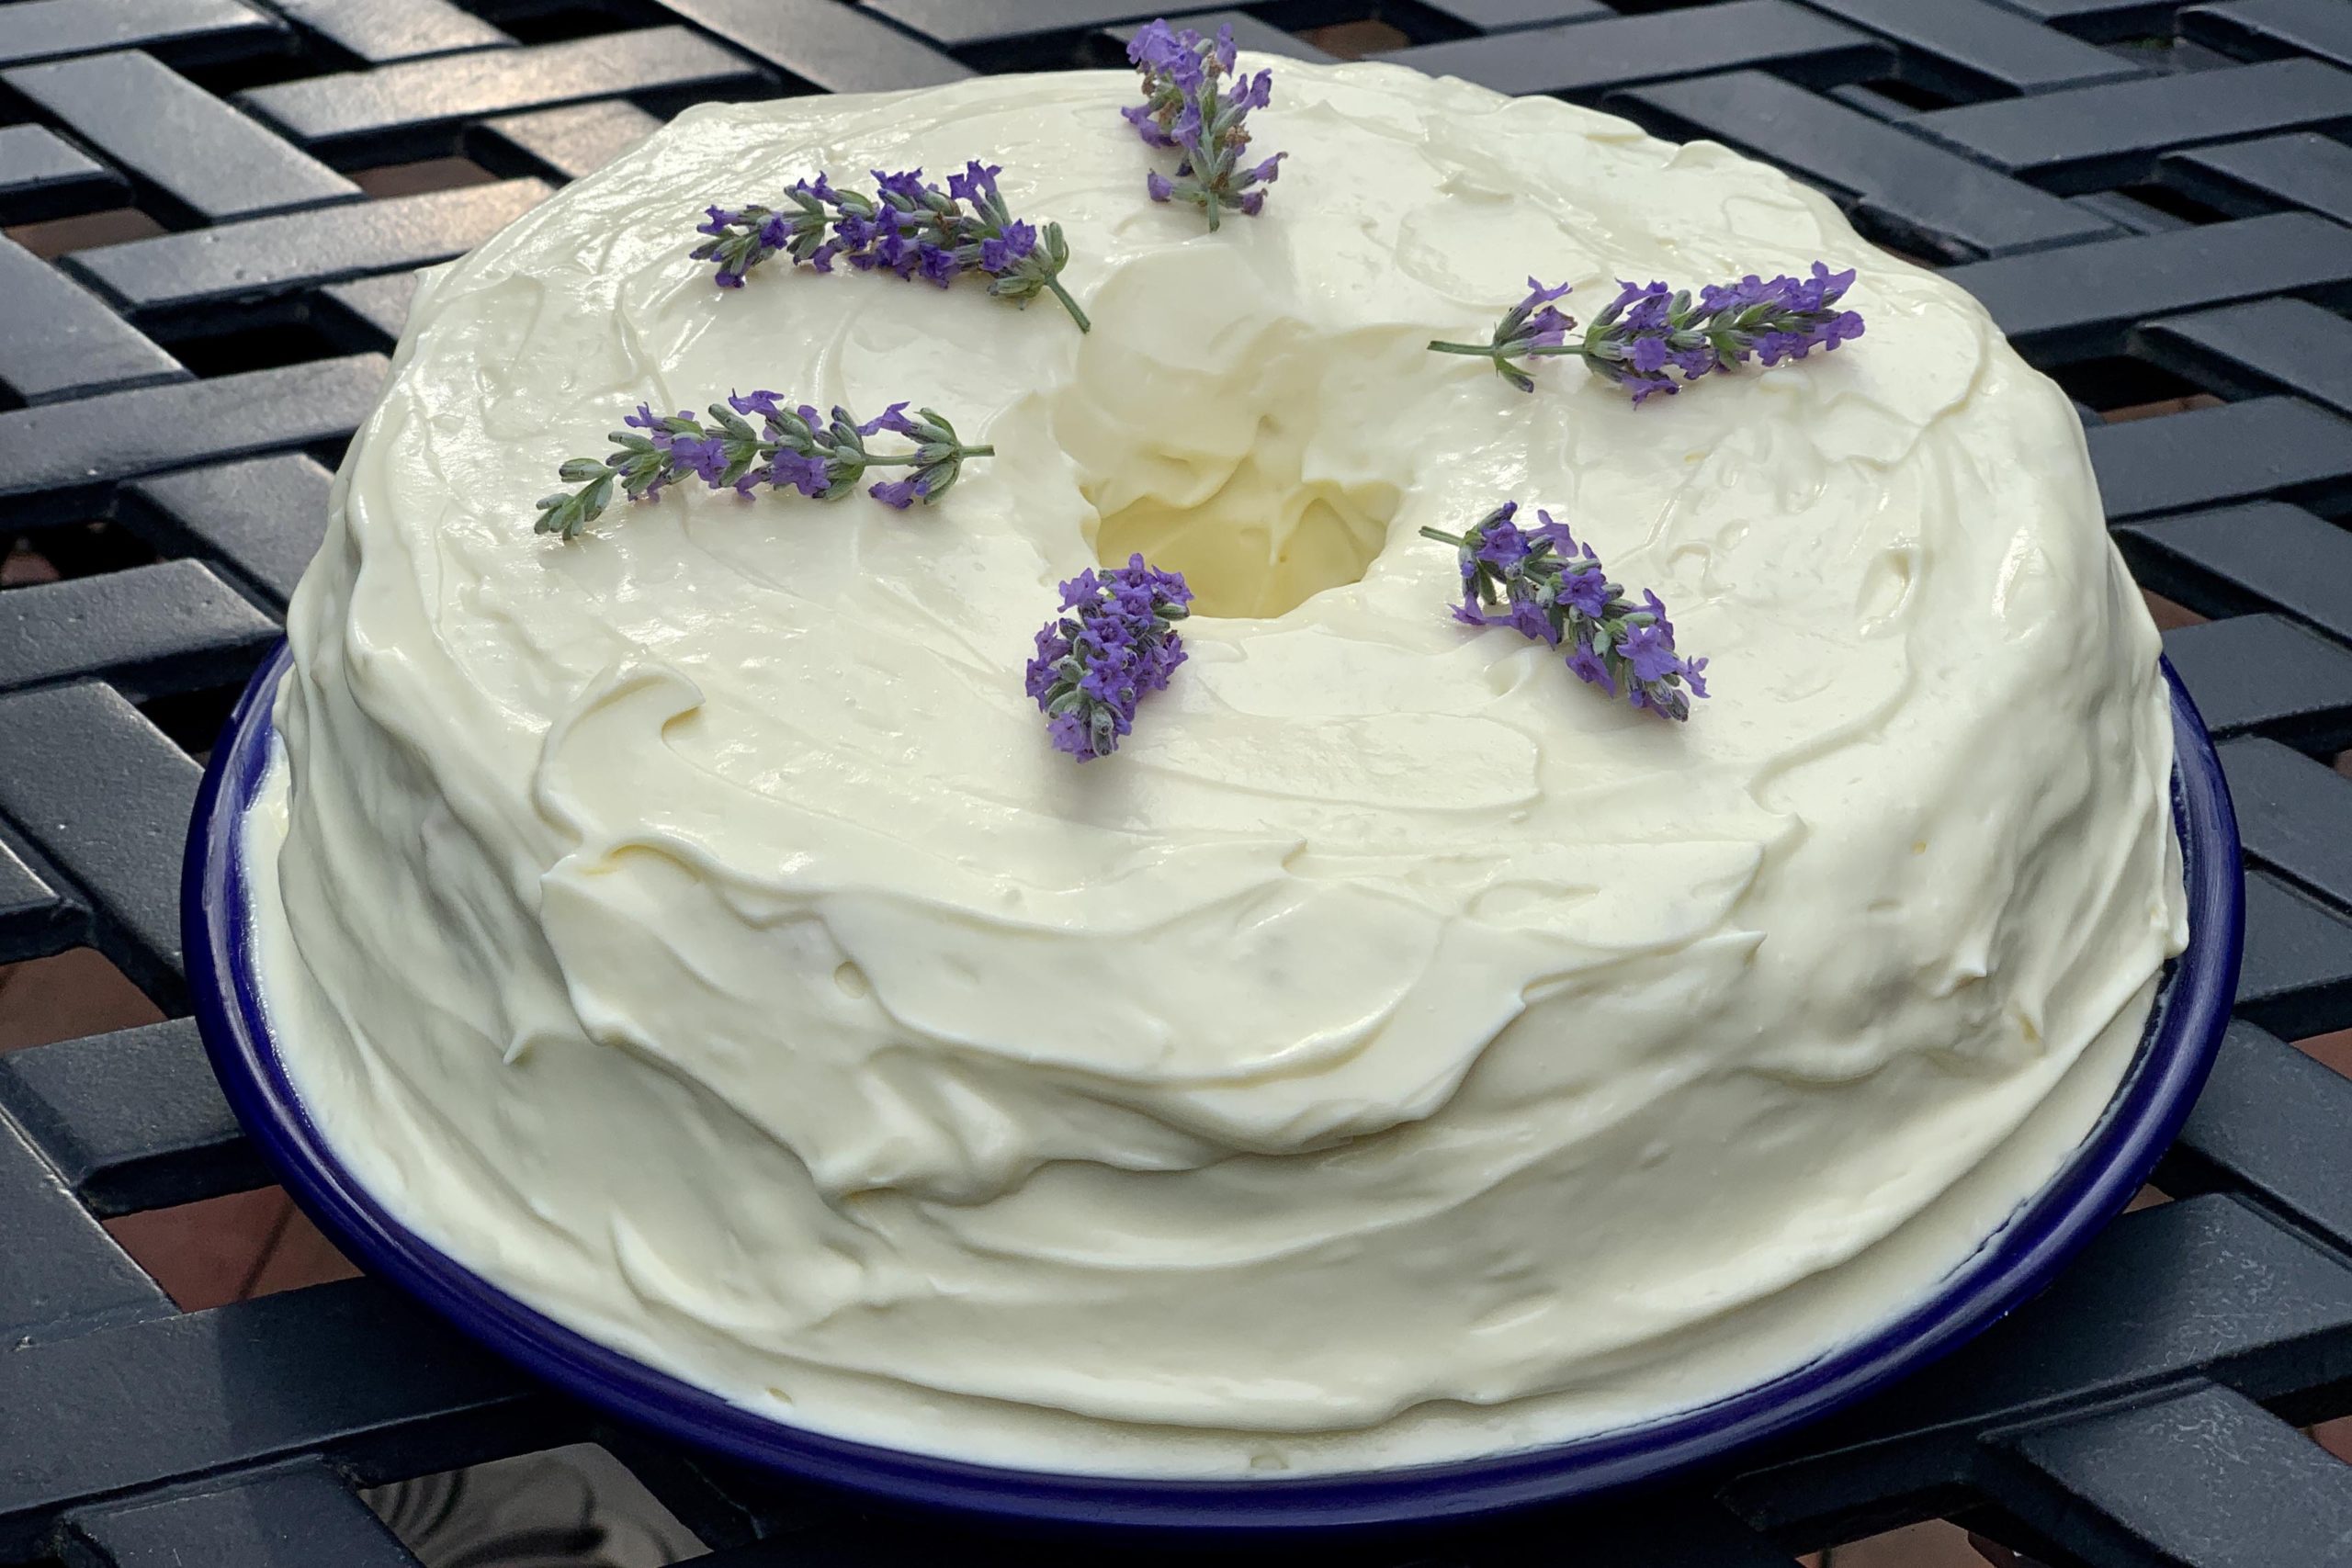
(2183, 1036)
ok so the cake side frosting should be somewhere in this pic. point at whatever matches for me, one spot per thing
(1397, 1051)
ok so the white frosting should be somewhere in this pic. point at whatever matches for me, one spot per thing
(1398, 1051)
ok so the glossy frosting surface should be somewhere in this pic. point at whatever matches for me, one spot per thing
(1397, 1051)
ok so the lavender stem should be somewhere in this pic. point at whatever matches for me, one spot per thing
(1054, 283)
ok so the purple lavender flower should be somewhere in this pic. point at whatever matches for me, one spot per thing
(644, 458)
(742, 238)
(905, 191)
(1187, 108)
(1545, 585)
(663, 433)
(1649, 335)
(1587, 593)
(907, 227)
(1147, 126)
(810, 475)
(999, 252)
(738, 242)
(1589, 667)
(793, 447)
(1114, 641)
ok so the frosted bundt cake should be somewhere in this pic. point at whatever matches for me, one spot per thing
(1400, 1049)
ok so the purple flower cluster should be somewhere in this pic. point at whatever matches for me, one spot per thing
(793, 447)
(1188, 110)
(1115, 641)
(1649, 335)
(1545, 585)
(906, 227)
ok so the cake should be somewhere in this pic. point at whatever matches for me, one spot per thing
(1397, 1052)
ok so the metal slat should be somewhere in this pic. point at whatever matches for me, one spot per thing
(2104, 20)
(2264, 346)
(350, 1370)
(172, 626)
(2304, 170)
(2167, 1484)
(2202, 1286)
(2263, 672)
(2317, 27)
(131, 1120)
(423, 95)
(260, 519)
(2112, 133)
(376, 305)
(2242, 558)
(2082, 300)
(2271, 1124)
(1592, 57)
(1248, 33)
(58, 339)
(107, 799)
(182, 31)
(179, 273)
(840, 49)
(1908, 192)
(2291, 812)
(2296, 978)
(35, 919)
(60, 1273)
(379, 31)
(295, 1515)
(43, 175)
(195, 152)
(1508, 15)
(575, 141)
(2281, 446)
(958, 23)
(1968, 48)
(70, 455)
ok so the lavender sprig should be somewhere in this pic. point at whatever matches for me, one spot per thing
(1114, 641)
(906, 227)
(1544, 584)
(793, 447)
(1648, 334)
(1187, 108)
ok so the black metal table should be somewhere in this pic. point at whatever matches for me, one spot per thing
(2150, 196)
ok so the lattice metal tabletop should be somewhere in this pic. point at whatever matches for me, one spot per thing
(2150, 196)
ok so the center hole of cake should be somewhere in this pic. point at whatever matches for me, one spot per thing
(1253, 536)
(1262, 464)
